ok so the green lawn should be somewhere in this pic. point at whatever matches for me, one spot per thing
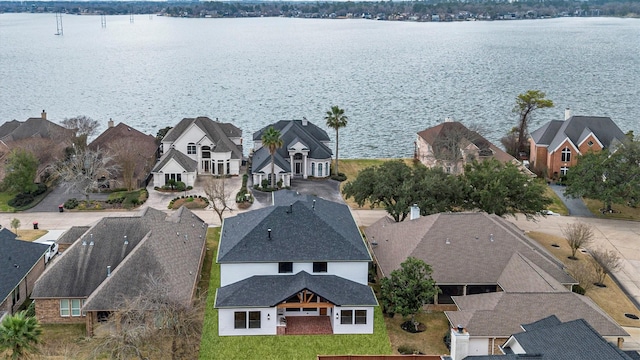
(4, 199)
(283, 347)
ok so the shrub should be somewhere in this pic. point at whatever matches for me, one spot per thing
(42, 188)
(408, 350)
(180, 186)
(579, 290)
(71, 203)
(447, 340)
(340, 177)
(265, 183)
(189, 187)
(20, 200)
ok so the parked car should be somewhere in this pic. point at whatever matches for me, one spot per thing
(52, 251)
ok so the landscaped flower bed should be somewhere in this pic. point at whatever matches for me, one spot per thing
(191, 202)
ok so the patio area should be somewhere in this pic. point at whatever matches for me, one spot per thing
(308, 325)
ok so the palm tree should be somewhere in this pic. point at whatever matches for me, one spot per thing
(336, 119)
(19, 333)
(272, 140)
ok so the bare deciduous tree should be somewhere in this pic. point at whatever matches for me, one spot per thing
(584, 274)
(82, 125)
(218, 195)
(457, 144)
(84, 170)
(604, 262)
(578, 235)
(143, 326)
(133, 160)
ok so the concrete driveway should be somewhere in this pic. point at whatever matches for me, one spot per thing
(58, 196)
(575, 206)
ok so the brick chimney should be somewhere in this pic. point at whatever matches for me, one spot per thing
(415, 212)
(43, 115)
(110, 123)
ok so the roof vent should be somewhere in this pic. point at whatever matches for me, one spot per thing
(108, 270)
(491, 237)
(447, 241)
(460, 328)
(126, 242)
(290, 209)
(314, 204)
(269, 232)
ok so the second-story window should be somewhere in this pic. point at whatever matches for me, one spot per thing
(566, 155)
(285, 267)
(320, 267)
(191, 149)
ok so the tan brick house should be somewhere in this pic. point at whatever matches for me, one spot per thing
(116, 260)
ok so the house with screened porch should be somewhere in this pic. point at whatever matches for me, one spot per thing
(299, 266)
(198, 146)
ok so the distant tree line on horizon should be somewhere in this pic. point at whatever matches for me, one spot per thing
(385, 10)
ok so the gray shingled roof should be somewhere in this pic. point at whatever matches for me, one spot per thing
(38, 128)
(303, 230)
(17, 257)
(167, 248)
(576, 128)
(70, 236)
(500, 314)
(183, 160)
(522, 275)
(571, 340)
(470, 257)
(262, 158)
(270, 290)
(8, 127)
(217, 132)
(292, 131)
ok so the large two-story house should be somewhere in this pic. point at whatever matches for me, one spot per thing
(198, 146)
(556, 145)
(450, 145)
(305, 153)
(299, 263)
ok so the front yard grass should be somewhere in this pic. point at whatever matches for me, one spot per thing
(4, 199)
(300, 347)
(610, 298)
(620, 212)
(31, 235)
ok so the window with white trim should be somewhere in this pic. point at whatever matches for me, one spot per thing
(347, 317)
(247, 319)
(564, 170)
(566, 155)
(71, 307)
(191, 149)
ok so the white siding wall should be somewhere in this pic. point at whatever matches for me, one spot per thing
(339, 328)
(226, 324)
(172, 167)
(314, 163)
(354, 271)
(192, 135)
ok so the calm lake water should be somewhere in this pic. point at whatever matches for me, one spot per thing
(393, 78)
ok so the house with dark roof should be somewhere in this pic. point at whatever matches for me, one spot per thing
(198, 146)
(134, 152)
(469, 252)
(21, 264)
(547, 339)
(300, 261)
(305, 153)
(118, 259)
(556, 145)
(450, 145)
(489, 319)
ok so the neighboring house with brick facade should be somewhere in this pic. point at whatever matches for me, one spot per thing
(21, 264)
(470, 253)
(134, 152)
(300, 261)
(548, 338)
(490, 319)
(118, 259)
(305, 153)
(451, 145)
(198, 146)
(556, 145)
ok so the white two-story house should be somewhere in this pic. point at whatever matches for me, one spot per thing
(301, 261)
(305, 153)
(199, 146)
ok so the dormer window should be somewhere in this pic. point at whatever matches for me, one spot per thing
(590, 143)
(191, 149)
(566, 155)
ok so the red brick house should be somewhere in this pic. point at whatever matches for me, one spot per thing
(556, 145)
